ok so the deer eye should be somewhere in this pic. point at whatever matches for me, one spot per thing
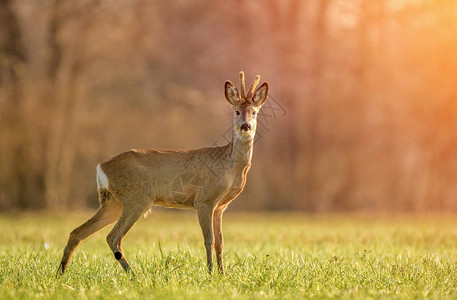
(237, 112)
(254, 113)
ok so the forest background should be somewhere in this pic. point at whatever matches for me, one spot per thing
(362, 114)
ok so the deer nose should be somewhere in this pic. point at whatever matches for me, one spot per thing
(245, 127)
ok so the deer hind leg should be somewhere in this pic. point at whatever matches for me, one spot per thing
(109, 211)
(218, 236)
(128, 218)
(205, 218)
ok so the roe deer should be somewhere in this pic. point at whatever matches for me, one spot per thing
(206, 179)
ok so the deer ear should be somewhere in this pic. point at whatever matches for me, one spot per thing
(260, 95)
(231, 93)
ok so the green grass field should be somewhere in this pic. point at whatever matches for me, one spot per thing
(286, 256)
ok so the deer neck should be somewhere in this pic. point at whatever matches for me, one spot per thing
(241, 150)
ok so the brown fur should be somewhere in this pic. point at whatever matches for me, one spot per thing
(206, 179)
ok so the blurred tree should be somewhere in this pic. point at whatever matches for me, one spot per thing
(61, 93)
(19, 181)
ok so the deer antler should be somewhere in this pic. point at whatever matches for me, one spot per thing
(253, 86)
(243, 86)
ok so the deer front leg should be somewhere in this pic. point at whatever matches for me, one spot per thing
(218, 236)
(205, 217)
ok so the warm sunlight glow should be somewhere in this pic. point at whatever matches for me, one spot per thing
(362, 113)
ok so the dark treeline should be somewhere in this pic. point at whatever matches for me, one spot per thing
(363, 114)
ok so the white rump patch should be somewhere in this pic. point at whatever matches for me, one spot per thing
(102, 180)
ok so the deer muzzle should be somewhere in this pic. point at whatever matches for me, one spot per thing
(245, 128)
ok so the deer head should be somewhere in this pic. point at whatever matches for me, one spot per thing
(246, 107)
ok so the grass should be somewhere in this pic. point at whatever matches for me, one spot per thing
(279, 256)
